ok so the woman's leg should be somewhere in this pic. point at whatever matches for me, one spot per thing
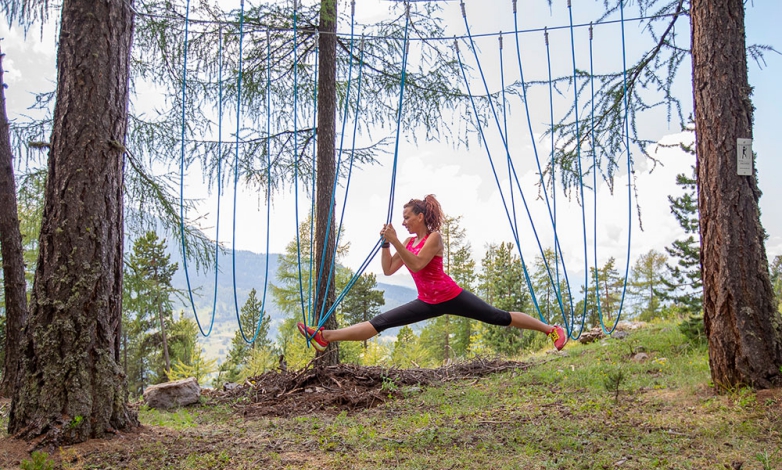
(406, 314)
(358, 332)
(526, 322)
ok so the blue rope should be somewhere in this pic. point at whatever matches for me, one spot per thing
(236, 180)
(296, 153)
(313, 178)
(332, 201)
(557, 249)
(580, 174)
(594, 178)
(378, 244)
(496, 179)
(515, 224)
(629, 162)
(182, 187)
(406, 45)
(467, 26)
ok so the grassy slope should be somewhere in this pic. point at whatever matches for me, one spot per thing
(559, 414)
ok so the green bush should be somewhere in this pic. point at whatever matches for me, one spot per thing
(694, 330)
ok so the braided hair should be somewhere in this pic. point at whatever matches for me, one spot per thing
(433, 213)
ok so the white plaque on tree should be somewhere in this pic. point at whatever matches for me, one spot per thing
(744, 157)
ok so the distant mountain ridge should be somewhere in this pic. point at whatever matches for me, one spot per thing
(250, 273)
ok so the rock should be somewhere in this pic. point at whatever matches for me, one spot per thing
(591, 335)
(619, 334)
(173, 394)
(629, 325)
(640, 357)
(228, 386)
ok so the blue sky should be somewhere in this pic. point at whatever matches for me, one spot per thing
(461, 177)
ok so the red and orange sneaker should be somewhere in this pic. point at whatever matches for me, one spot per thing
(316, 338)
(558, 336)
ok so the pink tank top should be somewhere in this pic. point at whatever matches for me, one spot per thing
(434, 286)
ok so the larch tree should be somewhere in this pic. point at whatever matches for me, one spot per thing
(743, 325)
(70, 385)
(306, 139)
(14, 283)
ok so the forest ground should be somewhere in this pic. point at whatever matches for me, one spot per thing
(643, 401)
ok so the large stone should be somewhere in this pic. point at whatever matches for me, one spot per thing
(173, 394)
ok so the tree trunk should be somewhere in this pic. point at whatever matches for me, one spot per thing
(742, 323)
(165, 339)
(326, 165)
(71, 385)
(14, 284)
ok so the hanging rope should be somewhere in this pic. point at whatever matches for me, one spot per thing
(629, 162)
(405, 52)
(182, 177)
(257, 326)
(491, 162)
(580, 173)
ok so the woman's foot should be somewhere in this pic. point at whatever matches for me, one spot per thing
(315, 337)
(558, 336)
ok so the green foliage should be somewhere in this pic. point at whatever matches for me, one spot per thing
(503, 286)
(408, 350)
(458, 263)
(613, 381)
(39, 460)
(607, 281)
(363, 301)
(645, 283)
(149, 331)
(776, 280)
(199, 367)
(684, 285)
(694, 330)
(259, 355)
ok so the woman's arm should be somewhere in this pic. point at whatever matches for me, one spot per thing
(432, 246)
(391, 264)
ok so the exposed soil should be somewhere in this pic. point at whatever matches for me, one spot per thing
(333, 389)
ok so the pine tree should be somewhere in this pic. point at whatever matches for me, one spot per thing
(646, 279)
(363, 301)
(776, 279)
(241, 352)
(503, 286)
(685, 286)
(147, 312)
(607, 281)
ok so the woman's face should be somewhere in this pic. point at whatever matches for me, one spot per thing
(412, 221)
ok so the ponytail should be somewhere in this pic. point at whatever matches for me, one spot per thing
(430, 207)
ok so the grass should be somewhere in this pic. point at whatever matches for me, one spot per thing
(592, 407)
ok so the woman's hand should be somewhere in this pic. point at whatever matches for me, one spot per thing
(389, 233)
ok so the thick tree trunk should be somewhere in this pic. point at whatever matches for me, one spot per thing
(326, 164)
(742, 323)
(71, 385)
(14, 284)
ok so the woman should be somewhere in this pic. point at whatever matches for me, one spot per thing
(438, 294)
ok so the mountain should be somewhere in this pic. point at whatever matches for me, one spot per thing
(250, 273)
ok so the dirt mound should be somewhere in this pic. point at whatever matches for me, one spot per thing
(333, 389)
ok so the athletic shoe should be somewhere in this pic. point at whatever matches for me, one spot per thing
(316, 338)
(558, 336)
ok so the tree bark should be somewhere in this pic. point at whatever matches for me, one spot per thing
(742, 323)
(71, 385)
(325, 232)
(14, 284)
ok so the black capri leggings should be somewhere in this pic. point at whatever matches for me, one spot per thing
(466, 304)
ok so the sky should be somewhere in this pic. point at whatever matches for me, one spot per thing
(461, 178)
